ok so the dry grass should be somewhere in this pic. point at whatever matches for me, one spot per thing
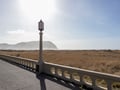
(98, 60)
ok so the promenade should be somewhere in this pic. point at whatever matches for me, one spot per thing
(13, 77)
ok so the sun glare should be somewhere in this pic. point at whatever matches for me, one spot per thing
(38, 8)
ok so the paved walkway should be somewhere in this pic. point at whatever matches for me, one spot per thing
(16, 78)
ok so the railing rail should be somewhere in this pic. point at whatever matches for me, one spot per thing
(91, 79)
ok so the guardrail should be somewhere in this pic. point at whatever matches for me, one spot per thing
(23, 62)
(91, 79)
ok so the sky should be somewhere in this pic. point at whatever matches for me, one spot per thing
(69, 24)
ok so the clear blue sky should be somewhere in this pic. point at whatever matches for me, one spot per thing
(70, 24)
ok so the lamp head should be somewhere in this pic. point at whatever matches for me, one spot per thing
(41, 25)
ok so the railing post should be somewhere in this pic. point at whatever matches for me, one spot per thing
(93, 82)
(109, 85)
(71, 75)
(32, 66)
(81, 78)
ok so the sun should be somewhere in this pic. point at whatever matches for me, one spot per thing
(38, 8)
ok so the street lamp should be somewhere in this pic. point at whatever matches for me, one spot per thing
(41, 28)
(39, 66)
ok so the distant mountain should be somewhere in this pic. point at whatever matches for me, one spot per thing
(32, 45)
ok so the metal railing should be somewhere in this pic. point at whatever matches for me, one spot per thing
(92, 79)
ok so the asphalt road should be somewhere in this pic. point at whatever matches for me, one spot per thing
(16, 78)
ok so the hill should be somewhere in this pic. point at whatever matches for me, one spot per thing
(32, 45)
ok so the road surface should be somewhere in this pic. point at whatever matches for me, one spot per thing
(13, 77)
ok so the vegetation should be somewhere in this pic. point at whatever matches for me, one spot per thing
(107, 61)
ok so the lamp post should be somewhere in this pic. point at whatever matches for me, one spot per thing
(39, 67)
